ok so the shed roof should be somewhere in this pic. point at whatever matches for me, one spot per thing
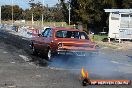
(119, 10)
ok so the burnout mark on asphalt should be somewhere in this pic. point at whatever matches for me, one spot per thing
(24, 58)
(121, 63)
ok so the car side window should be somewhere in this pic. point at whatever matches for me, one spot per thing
(59, 34)
(49, 33)
(45, 33)
(83, 35)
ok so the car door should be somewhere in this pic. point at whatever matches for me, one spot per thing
(43, 39)
(49, 40)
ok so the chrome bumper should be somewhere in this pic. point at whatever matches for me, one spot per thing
(74, 52)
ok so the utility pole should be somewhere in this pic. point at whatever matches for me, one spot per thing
(0, 14)
(31, 8)
(42, 19)
(32, 20)
(42, 13)
(12, 13)
(69, 13)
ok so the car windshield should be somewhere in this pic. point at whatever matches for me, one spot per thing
(71, 34)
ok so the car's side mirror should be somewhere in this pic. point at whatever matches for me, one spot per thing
(39, 35)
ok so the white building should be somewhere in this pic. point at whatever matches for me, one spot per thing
(120, 23)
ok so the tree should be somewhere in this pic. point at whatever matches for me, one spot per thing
(7, 12)
(127, 4)
(74, 15)
(64, 10)
(119, 4)
(57, 13)
(17, 12)
(91, 12)
(36, 9)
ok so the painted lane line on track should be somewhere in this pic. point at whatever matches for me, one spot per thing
(13, 62)
(5, 52)
(115, 62)
(54, 68)
(128, 65)
(24, 58)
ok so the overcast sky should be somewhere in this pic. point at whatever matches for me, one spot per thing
(24, 3)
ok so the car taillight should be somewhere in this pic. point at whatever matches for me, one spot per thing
(60, 44)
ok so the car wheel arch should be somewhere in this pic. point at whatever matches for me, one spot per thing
(48, 47)
(32, 44)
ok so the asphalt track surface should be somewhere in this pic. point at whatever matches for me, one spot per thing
(20, 69)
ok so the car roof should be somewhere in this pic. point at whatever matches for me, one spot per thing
(68, 29)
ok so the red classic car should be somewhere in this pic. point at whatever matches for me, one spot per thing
(61, 41)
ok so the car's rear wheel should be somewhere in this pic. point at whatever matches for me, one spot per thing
(49, 54)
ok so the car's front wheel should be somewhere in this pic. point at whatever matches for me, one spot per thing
(49, 54)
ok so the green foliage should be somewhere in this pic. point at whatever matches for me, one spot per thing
(91, 12)
(88, 12)
(100, 37)
(127, 4)
(37, 9)
(7, 12)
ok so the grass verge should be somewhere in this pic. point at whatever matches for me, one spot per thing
(99, 40)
